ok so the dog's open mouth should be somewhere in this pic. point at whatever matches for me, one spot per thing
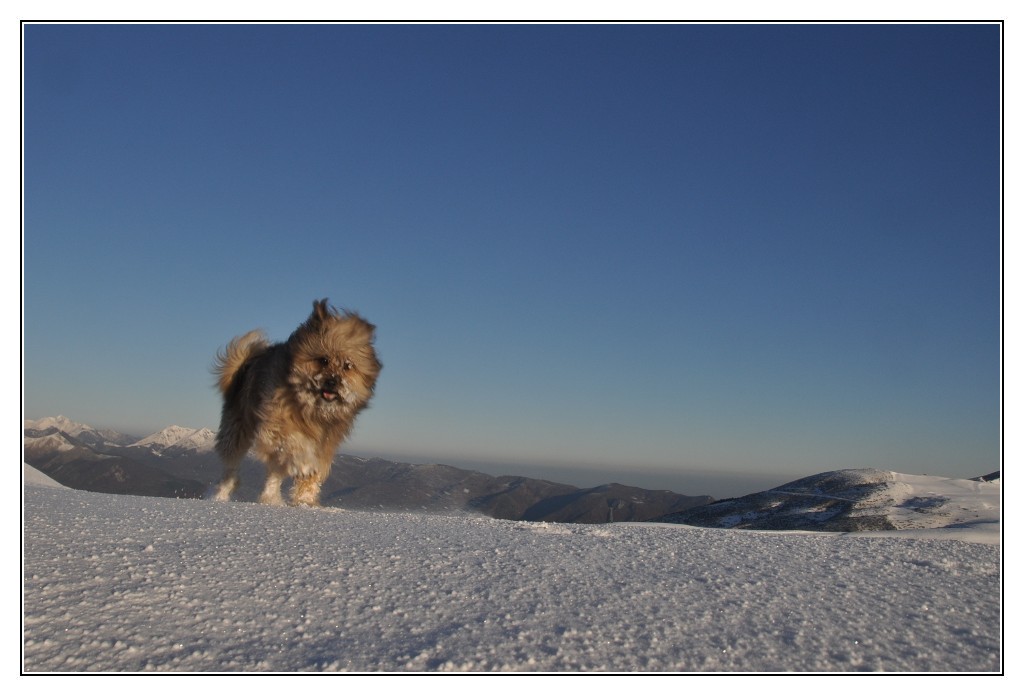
(328, 395)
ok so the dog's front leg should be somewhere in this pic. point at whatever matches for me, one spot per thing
(306, 490)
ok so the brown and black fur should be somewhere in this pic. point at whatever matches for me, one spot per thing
(293, 403)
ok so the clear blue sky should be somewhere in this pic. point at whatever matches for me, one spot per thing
(651, 251)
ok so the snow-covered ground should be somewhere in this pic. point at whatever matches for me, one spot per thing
(122, 583)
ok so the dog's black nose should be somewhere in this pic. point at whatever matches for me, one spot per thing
(331, 384)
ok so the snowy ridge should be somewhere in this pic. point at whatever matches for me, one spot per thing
(34, 477)
(129, 584)
(861, 500)
(957, 502)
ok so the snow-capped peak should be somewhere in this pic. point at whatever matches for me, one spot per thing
(179, 437)
(61, 423)
(199, 440)
(165, 438)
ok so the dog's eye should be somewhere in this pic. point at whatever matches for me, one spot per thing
(323, 361)
(347, 366)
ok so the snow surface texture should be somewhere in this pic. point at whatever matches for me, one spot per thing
(125, 583)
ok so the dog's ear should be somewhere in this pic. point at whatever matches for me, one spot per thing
(320, 311)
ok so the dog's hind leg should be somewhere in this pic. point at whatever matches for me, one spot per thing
(233, 441)
(271, 494)
(229, 482)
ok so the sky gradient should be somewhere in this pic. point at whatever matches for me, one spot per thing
(658, 253)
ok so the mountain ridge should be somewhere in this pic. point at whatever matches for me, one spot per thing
(180, 462)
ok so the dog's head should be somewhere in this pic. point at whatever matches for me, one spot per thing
(334, 365)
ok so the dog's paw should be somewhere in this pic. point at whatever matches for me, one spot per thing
(219, 494)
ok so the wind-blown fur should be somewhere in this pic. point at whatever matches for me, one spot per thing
(293, 403)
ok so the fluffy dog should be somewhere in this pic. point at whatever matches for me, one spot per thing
(293, 403)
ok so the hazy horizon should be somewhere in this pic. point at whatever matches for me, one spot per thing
(582, 474)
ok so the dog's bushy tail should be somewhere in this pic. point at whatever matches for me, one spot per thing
(231, 359)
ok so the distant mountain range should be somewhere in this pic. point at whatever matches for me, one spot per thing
(84, 433)
(105, 461)
(180, 462)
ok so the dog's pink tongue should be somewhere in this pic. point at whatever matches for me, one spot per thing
(330, 396)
